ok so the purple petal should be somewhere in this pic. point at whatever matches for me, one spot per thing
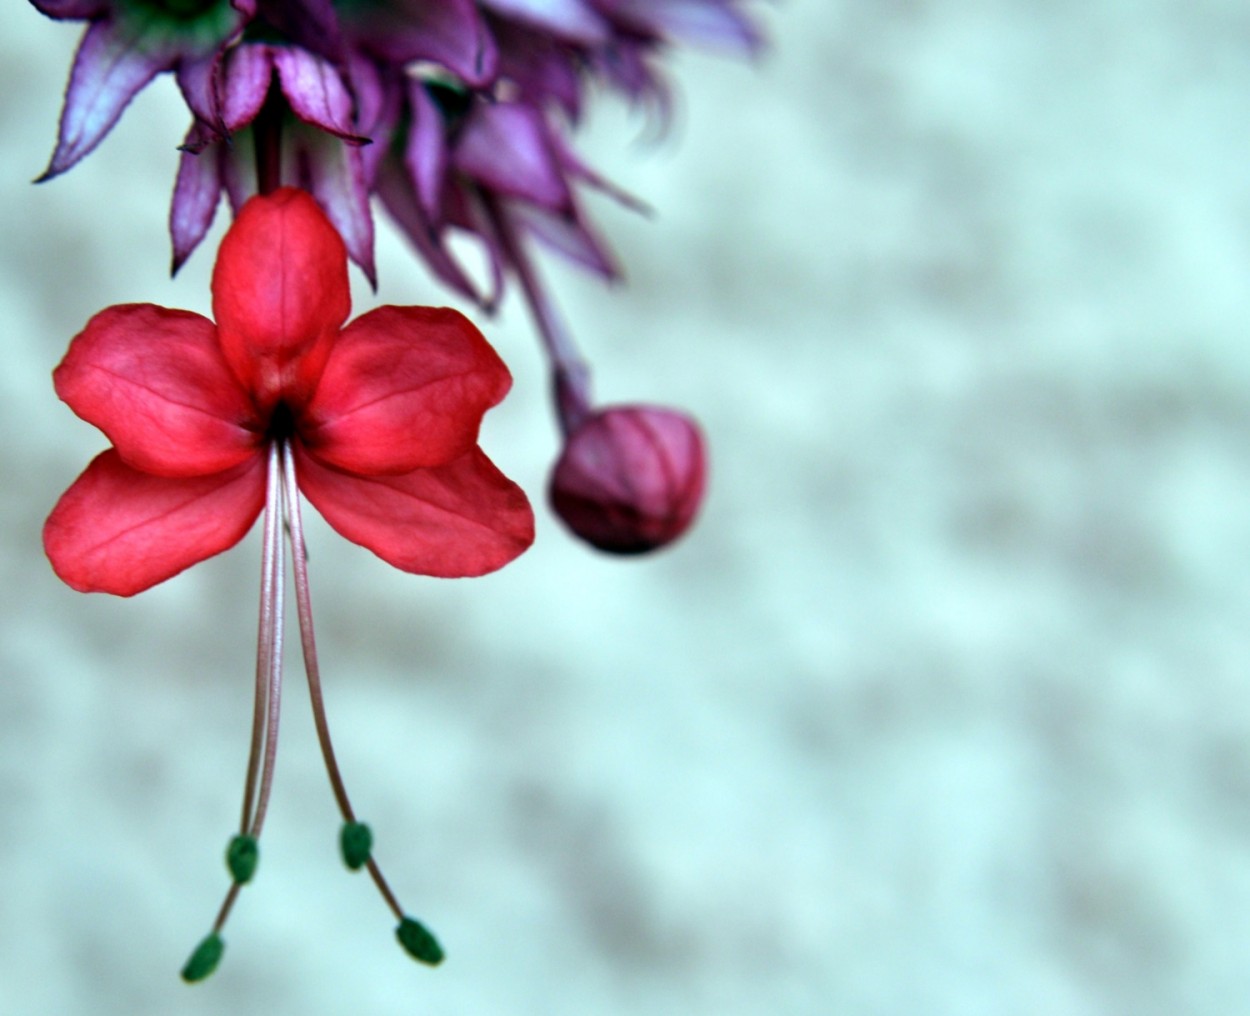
(506, 148)
(333, 173)
(245, 83)
(544, 69)
(72, 10)
(394, 187)
(707, 22)
(624, 64)
(425, 154)
(199, 137)
(566, 19)
(111, 66)
(377, 110)
(574, 167)
(200, 84)
(238, 169)
(316, 92)
(450, 33)
(568, 235)
(466, 208)
(196, 193)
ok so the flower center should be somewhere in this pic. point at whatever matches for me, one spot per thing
(281, 424)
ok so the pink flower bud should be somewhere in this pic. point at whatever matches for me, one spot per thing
(630, 478)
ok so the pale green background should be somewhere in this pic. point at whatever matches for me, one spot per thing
(943, 708)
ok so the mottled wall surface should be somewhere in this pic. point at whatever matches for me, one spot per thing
(944, 708)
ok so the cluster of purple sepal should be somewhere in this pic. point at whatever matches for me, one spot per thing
(455, 114)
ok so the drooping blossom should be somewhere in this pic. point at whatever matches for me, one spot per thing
(456, 114)
(375, 422)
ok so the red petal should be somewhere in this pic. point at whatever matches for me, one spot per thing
(464, 518)
(155, 382)
(404, 388)
(280, 296)
(117, 530)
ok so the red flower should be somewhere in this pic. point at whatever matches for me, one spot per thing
(381, 417)
(376, 423)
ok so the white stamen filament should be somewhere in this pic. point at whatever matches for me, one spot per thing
(267, 705)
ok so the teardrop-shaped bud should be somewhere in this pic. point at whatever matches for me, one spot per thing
(630, 478)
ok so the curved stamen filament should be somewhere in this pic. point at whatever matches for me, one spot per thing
(277, 611)
(267, 704)
(303, 601)
(269, 635)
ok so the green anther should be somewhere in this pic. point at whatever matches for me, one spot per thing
(205, 959)
(356, 843)
(242, 856)
(418, 942)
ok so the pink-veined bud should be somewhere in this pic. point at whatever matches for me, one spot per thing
(630, 478)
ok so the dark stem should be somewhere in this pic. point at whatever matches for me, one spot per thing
(571, 375)
(267, 134)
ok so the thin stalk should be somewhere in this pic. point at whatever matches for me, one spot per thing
(303, 601)
(267, 135)
(226, 906)
(570, 371)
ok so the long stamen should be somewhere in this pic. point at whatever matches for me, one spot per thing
(242, 855)
(413, 936)
(269, 631)
(278, 609)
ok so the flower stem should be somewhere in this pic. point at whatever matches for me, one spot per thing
(303, 602)
(571, 375)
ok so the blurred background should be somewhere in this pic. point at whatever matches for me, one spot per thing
(941, 709)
